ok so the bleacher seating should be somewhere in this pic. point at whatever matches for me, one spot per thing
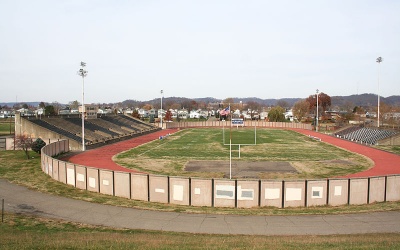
(363, 135)
(92, 127)
(100, 130)
(58, 130)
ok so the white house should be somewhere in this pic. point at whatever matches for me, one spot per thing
(194, 114)
(289, 115)
(143, 113)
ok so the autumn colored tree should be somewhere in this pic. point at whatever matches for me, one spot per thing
(168, 116)
(135, 114)
(276, 114)
(23, 142)
(227, 102)
(175, 106)
(324, 101)
(301, 109)
(202, 105)
(193, 105)
(147, 107)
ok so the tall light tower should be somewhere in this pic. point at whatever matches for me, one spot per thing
(82, 72)
(379, 60)
(316, 127)
(162, 91)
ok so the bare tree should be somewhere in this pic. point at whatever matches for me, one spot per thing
(23, 142)
(301, 109)
(254, 107)
(282, 103)
(74, 104)
(57, 106)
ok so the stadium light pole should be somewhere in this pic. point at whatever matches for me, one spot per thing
(162, 91)
(230, 145)
(316, 127)
(83, 73)
(379, 60)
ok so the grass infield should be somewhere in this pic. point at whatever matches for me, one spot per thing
(311, 158)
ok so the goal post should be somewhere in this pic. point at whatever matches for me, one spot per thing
(236, 142)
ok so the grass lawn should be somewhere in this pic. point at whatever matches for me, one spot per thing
(25, 232)
(5, 126)
(311, 158)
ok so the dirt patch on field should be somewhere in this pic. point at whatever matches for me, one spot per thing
(240, 169)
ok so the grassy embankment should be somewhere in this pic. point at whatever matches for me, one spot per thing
(25, 232)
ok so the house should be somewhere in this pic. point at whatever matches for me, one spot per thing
(183, 114)
(143, 113)
(289, 115)
(194, 114)
(90, 111)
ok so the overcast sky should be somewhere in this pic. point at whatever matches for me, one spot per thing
(221, 49)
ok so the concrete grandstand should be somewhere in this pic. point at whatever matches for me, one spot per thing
(101, 130)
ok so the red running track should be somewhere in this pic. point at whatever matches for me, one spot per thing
(102, 157)
(385, 163)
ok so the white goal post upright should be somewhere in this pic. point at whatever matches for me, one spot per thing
(236, 122)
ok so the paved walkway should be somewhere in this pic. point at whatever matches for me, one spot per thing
(22, 200)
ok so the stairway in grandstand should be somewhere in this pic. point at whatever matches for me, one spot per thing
(100, 130)
(364, 135)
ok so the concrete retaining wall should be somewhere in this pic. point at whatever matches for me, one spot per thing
(220, 192)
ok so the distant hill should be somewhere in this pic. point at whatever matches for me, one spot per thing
(11, 104)
(364, 100)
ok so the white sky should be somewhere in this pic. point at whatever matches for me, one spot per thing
(221, 49)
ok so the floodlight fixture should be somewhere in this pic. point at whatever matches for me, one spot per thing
(83, 73)
(379, 60)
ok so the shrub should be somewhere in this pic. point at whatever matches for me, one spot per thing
(38, 145)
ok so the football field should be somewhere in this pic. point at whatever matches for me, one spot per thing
(310, 158)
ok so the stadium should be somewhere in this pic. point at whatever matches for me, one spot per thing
(218, 172)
